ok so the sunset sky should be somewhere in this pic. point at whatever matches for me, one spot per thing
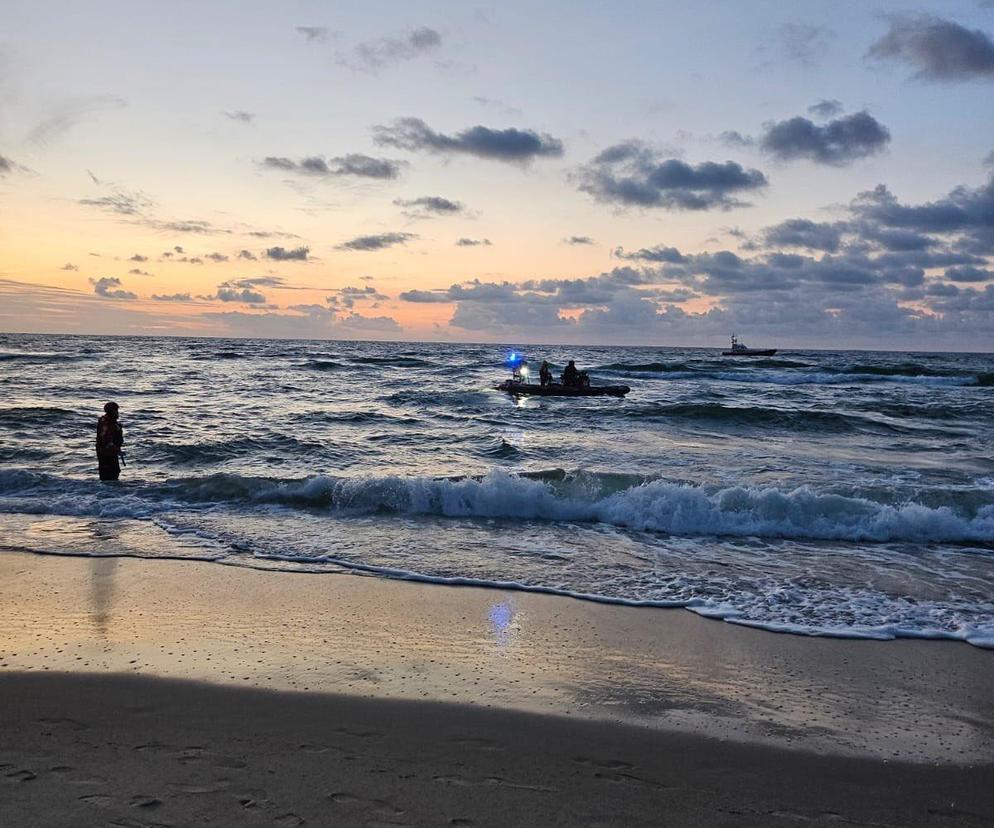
(804, 174)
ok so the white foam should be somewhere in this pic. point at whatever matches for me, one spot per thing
(657, 505)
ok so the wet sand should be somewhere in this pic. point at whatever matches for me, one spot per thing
(176, 693)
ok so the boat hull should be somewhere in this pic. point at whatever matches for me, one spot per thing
(750, 352)
(524, 389)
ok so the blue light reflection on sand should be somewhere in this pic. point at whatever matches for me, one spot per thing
(501, 616)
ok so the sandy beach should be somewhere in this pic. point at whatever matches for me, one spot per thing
(182, 693)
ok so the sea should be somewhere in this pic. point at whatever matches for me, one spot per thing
(824, 493)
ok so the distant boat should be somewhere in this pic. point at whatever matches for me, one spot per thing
(740, 350)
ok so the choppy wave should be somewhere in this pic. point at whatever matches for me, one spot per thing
(904, 369)
(768, 417)
(396, 362)
(33, 416)
(323, 365)
(645, 367)
(38, 357)
(654, 506)
(825, 377)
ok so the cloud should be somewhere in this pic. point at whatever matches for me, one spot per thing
(373, 55)
(282, 254)
(429, 206)
(138, 272)
(172, 297)
(347, 297)
(352, 164)
(660, 253)
(69, 266)
(966, 214)
(938, 49)
(241, 116)
(120, 202)
(631, 174)
(465, 242)
(517, 146)
(247, 255)
(138, 257)
(837, 143)
(886, 273)
(110, 287)
(255, 281)
(969, 274)
(379, 241)
(805, 233)
(304, 321)
(312, 33)
(58, 124)
(7, 166)
(826, 108)
(194, 226)
(246, 295)
(425, 297)
(578, 240)
(216, 257)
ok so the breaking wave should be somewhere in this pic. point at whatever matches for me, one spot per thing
(653, 505)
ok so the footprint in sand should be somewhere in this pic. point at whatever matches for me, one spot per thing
(71, 724)
(200, 756)
(475, 743)
(632, 779)
(319, 749)
(607, 764)
(134, 823)
(21, 776)
(99, 800)
(360, 734)
(214, 787)
(489, 781)
(377, 806)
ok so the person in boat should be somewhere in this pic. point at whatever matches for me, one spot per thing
(583, 380)
(545, 374)
(571, 377)
(110, 443)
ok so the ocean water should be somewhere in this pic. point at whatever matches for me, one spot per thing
(820, 493)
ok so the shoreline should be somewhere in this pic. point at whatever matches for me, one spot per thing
(665, 670)
(156, 693)
(157, 546)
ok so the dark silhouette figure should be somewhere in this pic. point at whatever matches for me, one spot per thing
(110, 440)
(545, 374)
(571, 377)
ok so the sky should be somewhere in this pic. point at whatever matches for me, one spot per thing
(808, 174)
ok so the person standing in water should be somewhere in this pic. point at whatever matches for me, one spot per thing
(110, 440)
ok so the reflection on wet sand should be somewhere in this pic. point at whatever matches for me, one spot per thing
(102, 572)
(502, 616)
(917, 700)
